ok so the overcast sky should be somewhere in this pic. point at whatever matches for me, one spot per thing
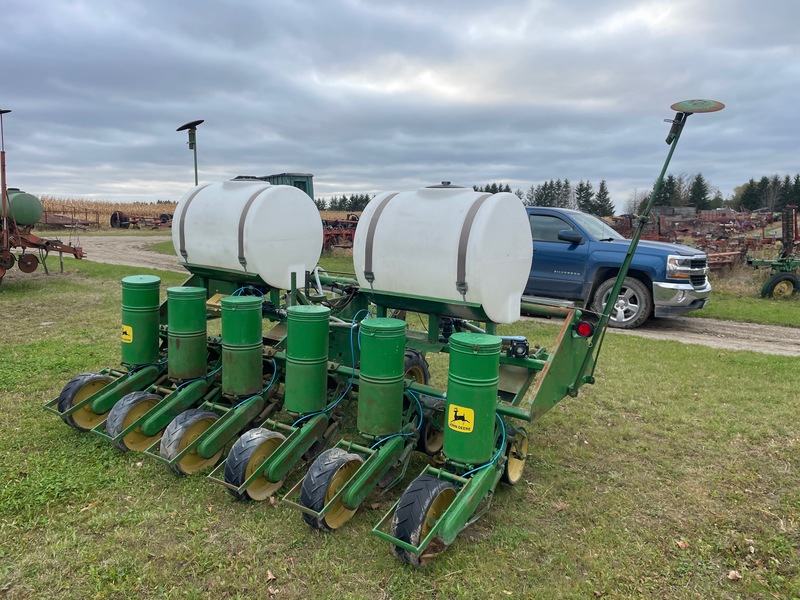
(382, 95)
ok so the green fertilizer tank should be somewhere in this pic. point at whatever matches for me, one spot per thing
(25, 208)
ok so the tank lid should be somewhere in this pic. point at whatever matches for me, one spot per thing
(478, 343)
(383, 324)
(141, 280)
(445, 184)
(313, 311)
(186, 292)
(234, 302)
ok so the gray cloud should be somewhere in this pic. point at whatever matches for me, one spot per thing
(371, 96)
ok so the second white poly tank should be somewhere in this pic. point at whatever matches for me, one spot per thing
(447, 243)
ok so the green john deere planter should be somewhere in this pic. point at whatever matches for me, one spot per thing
(299, 347)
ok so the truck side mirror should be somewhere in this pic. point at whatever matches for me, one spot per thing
(570, 235)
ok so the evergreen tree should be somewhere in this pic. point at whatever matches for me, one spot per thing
(786, 194)
(749, 196)
(320, 202)
(530, 196)
(584, 196)
(698, 193)
(666, 192)
(603, 206)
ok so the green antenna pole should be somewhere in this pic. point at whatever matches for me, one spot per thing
(684, 109)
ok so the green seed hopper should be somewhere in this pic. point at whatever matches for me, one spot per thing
(300, 348)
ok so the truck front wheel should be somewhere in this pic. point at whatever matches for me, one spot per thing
(633, 306)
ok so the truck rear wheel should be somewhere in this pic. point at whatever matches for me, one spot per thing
(632, 307)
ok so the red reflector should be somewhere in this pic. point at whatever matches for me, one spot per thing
(584, 329)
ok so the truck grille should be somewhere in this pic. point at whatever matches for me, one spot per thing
(698, 263)
(698, 281)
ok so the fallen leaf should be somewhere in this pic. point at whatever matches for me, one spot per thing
(734, 575)
(139, 464)
(375, 505)
(752, 550)
(94, 504)
(270, 575)
(682, 545)
(272, 591)
(273, 501)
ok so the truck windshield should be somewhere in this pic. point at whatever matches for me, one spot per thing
(596, 228)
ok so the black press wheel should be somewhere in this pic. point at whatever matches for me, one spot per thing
(632, 307)
(515, 458)
(125, 412)
(248, 453)
(182, 431)
(780, 285)
(421, 505)
(79, 388)
(431, 437)
(416, 367)
(332, 469)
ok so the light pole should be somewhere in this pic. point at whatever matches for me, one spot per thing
(191, 126)
(3, 190)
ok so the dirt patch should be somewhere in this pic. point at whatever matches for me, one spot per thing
(129, 250)
(768, 339)
(730, 335)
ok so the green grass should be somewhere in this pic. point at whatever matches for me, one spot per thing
(735, 297)
(679, 466)
(162, 248)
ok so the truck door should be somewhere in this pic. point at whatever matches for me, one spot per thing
(559, 267)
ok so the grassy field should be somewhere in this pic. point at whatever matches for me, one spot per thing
(675, 476)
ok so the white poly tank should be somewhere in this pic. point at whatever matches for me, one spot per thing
(447, 243)
(250, 227)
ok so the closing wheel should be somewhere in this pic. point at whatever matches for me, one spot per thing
(332, 469)
(420, 507)
(515, 458)
(79, 388)
(780, 285)
(182, 431)
(248, 453)
(124, 413)
(7, 259)
(27, 263)
(631, 308)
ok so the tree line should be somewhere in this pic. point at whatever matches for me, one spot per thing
(561, 194)
(769, 192)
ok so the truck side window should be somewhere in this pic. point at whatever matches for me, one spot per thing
(545, 228)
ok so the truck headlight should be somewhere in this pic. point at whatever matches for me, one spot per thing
(677, 267)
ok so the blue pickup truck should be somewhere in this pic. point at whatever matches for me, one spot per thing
(576, 257)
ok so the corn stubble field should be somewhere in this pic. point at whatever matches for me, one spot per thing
(674, 476)
(100, 211)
